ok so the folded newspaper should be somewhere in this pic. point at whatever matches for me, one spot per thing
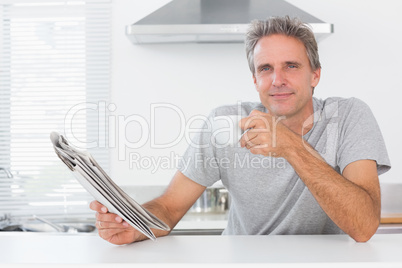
(103, 189)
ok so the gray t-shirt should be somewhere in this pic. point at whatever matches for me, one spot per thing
(266, 194)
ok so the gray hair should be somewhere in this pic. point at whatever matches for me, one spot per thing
(293, 27)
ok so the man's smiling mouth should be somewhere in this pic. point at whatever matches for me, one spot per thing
(282, 95)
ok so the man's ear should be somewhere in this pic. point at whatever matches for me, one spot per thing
(255, 81)
(316, 77)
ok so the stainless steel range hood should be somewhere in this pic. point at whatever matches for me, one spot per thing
(210, 21)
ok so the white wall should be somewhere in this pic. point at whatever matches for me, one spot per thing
(361, 59)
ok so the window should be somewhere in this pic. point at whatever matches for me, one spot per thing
(55, 64)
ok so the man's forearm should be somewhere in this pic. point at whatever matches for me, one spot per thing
(347, 204)
(171, 206)
(161, 212)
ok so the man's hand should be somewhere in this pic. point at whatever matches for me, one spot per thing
(112, 228)
(266, 135)
(170, 207)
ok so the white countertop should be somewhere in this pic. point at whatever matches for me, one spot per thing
(203, 221)
(55, 248)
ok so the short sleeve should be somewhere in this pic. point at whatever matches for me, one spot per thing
(199, 162)
(360, 137)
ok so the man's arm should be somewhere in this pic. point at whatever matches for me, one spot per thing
(352, 200)
(170, 207)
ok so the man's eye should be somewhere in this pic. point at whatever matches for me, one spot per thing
(292, 66)
(264, 69)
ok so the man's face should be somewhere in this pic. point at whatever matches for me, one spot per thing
(283, 76)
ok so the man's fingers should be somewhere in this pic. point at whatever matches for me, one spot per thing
(101, 225)
(250, 138)
(98, 207)
(108, 217)
(256, 119)
(112, 227)
(254, 145)
(256, 113)
(247, 122)
(247, 139)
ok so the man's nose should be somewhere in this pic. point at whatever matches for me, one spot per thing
(278, 78)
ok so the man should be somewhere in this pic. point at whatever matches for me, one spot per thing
(324, 155)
